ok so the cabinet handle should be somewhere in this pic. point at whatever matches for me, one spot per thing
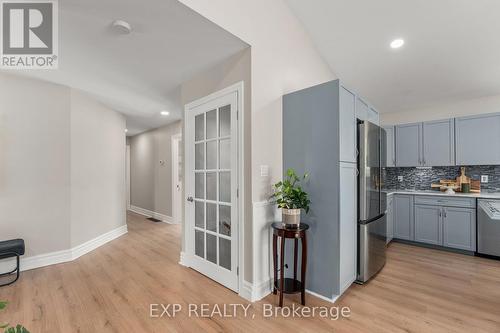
(444, 212)
(440, 213)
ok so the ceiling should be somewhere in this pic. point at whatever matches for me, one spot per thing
(137, 74)
(452, 49)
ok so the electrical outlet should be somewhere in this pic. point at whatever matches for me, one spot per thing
(484, 178)
(400, 178)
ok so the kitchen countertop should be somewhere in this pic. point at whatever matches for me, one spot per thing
(482, 195)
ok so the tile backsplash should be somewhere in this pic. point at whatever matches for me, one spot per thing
(422, 178)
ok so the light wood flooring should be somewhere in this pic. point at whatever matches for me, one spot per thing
(111, 288)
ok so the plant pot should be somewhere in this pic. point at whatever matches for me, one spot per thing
(291, 217)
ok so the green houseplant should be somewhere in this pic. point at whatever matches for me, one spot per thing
(10, 329)
(291, 198)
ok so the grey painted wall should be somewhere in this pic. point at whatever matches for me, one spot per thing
(421, 178)
(150, 182)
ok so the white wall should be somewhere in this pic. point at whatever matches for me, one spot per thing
(62, 166)
(34, 163)
(468, 107)
(283, 59)
(98, 202)
(151, 183)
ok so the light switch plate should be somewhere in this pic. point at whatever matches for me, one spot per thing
(484, 178)
(400, 178)
(264, 171)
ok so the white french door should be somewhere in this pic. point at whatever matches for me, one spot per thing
(211, 189)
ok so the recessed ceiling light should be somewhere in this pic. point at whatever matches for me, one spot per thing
(164, 113)
(397, 43)
(126, 130)
(121, 27)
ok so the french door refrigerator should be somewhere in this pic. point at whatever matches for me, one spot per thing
(372, 224)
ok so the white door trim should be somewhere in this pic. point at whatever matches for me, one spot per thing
(176, 194)
(127, 175)
(239, 89)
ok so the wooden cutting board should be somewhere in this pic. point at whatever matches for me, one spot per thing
(462, 179)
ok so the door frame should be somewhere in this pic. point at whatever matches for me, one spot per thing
(176, 195)
(127, 175)
(239, 89)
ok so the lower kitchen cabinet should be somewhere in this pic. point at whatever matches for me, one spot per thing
(428, 225)
(403, 216)
(390, 219)
(459, 228)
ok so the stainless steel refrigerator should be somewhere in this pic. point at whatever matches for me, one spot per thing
(372, 224)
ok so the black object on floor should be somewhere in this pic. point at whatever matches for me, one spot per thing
(9, 249)
(152, 219)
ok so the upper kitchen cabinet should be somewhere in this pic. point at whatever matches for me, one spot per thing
(438, 143)
(362, 109)
(347, 125)
(373, 116)
(408, 139)
(389, 146)
(477, 139)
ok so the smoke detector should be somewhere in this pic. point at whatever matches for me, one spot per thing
(121, 27)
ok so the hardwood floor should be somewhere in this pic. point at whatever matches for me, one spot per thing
(111, 289)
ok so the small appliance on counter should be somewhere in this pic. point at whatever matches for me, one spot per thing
(488, 228)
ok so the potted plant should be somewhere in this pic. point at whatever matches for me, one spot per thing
(291, 198)
(11, 329)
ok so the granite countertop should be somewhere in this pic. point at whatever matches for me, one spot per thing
(485, 195)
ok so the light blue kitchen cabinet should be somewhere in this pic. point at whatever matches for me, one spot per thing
(459, 228)
(390, 219)
(362, 109)
(390, 146)
(373, 116)
(428, 228)
(438, 143)
(347, 125)
(408, 145)
(477, 139)
(403, 216)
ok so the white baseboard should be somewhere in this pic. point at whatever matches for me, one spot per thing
(324, 298)
(93, 244)
(58, 257)
(150, 213)
(183, 260)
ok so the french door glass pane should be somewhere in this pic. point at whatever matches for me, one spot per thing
(199, 127)
(199, 243)
(211, 186)
(212, 155)
(224, 186)
(199, 156)
(199, 185)
(225, 120)
(212, 248)
(211, 124)
(225, 253)
(225, 154)
(211, 217)
(225, 220)
(199, 214)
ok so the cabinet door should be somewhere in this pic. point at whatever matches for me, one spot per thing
(477, 140)
(428, 224)
(438, 143)
(373, 116)
(408, 138)
(362, 109)
(348, 225)
(390, 220)
(459, 228)
(347, 128)
(389, 144)
(403, 217)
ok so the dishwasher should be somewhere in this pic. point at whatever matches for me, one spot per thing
(488, 228)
